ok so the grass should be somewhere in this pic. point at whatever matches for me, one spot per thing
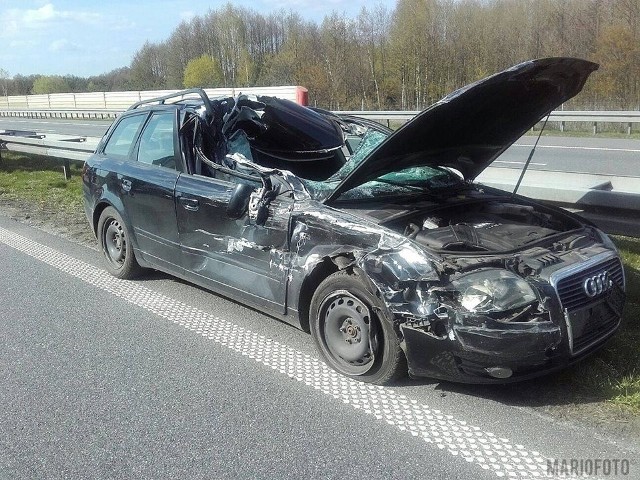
(622, 355)
(39, 179)
(612, 376)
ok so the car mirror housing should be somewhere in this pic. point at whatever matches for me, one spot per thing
(239, 201)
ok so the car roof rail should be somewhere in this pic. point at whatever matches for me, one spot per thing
(161, 100)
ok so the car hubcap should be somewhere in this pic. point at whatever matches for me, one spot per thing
(346, 329)
(114, 243)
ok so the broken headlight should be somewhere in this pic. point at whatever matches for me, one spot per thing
(493, 290)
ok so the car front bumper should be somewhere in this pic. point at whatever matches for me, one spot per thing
(500, 355)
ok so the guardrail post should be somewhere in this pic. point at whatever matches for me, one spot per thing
(66, 169)
(595, 127)
(562, 126)
(629, 128)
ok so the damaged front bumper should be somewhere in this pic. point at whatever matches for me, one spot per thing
(499, 354)
(479, 355)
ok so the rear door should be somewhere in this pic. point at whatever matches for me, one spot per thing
(147, 186)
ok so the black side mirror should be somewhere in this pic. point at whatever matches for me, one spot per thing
(239, 201)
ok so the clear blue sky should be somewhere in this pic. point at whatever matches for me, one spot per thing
(89, 37)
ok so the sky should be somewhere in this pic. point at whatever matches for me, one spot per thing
(89, 37)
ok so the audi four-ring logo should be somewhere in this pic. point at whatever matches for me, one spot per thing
(597, 284)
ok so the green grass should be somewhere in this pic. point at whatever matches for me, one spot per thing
(624, 351)
(613, 374)
(40, 180)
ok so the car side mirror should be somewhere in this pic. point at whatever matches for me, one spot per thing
(239, 201)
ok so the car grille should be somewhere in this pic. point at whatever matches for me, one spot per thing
(596, 330)
(571, 291)
(588, 318)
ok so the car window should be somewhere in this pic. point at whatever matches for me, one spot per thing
(124, 135)
(157, 141)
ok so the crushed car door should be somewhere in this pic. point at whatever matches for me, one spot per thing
(147, 186)
(237, 257)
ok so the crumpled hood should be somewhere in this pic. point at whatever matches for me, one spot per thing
(469, 128)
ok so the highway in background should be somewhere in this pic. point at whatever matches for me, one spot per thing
(605, 156)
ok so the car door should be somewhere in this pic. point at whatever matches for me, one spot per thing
(147, 189)
(237, 257)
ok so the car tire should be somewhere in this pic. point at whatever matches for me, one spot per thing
(352, 332)
(115, 245)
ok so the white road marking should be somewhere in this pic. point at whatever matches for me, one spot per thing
(567, 147)
(482, 448)
(519, 163)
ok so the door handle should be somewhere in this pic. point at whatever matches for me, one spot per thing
(126, 185)
(190, 203)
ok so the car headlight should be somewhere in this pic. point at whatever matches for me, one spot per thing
(493, 290)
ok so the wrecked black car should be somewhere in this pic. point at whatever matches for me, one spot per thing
(377, 242)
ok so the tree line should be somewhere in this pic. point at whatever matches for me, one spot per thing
(402, 58)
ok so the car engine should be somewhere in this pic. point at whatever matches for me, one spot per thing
(490, 226)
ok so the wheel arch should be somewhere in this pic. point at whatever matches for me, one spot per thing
(97, 211)
(327, 266)
(101, 205)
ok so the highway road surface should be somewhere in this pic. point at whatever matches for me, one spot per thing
(610, 156)
(76, 127)
(155, 378)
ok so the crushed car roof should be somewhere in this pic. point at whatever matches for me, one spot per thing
(469, 128)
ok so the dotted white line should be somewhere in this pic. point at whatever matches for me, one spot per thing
(471, 443)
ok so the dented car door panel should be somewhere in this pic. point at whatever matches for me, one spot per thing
(232, 254)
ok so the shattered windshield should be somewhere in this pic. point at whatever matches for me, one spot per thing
(402, 182)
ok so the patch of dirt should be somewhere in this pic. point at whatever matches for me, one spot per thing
(70, 224)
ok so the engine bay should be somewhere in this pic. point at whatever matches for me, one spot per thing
(492, 225)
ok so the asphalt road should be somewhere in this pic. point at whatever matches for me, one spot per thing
(102, 378)
(565, 154)
(88, 128)
(604, 156)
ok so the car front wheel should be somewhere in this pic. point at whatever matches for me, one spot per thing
(349, 330)
(114, 242)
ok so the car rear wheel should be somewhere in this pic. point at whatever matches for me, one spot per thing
(351, 333)
(113, 239)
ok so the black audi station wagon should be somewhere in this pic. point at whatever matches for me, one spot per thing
(377, 242)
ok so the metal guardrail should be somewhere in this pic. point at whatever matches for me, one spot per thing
(562, 116)
(64, 147)
(69, 114)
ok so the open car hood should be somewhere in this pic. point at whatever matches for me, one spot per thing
(470, 127)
